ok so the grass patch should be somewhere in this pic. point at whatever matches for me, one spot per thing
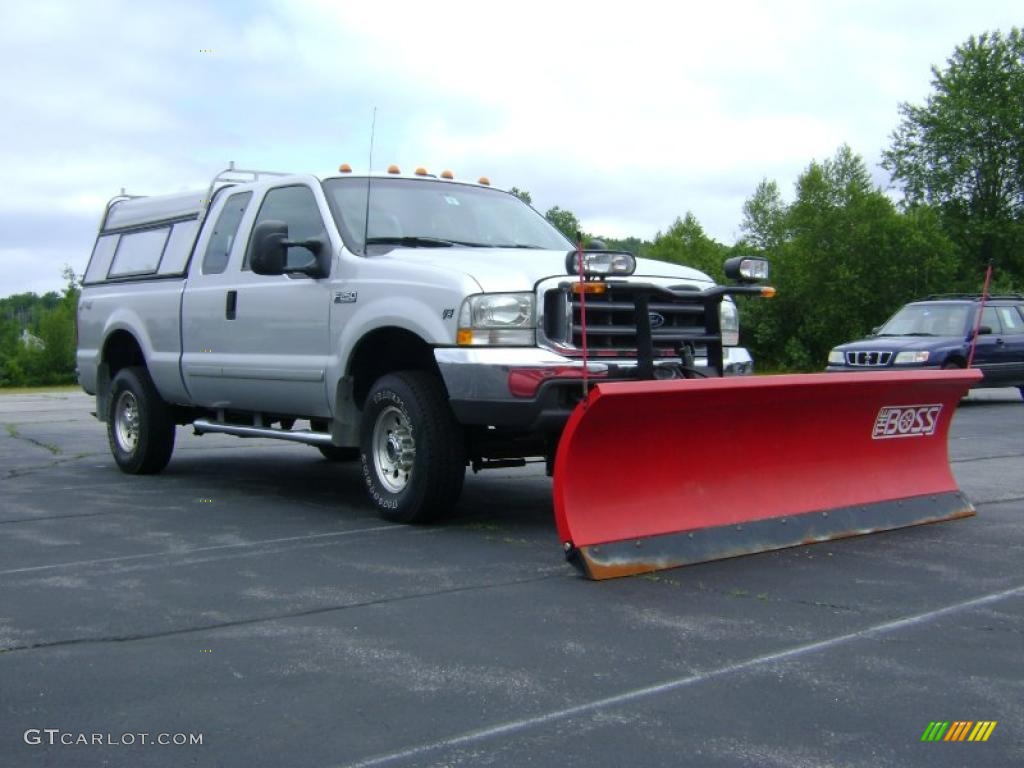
(40, 389)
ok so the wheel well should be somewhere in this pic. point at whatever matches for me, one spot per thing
(955, 359)
(120, 351)
(383, 351)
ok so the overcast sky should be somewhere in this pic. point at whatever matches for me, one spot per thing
(627, 113)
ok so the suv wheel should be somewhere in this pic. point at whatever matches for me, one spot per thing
(413, 450)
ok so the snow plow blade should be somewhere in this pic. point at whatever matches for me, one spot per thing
(659, 474)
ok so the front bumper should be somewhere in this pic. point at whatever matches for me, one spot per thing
(534, 389)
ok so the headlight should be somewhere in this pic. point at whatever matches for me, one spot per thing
(746, 269)
(601, 263)
(836, 357)
(904, 358)
(497, 318)
(729, 319)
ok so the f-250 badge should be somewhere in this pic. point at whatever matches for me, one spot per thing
(346, 297)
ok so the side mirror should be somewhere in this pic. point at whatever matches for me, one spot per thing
(270, 246)
(269, 250)
(875, 330)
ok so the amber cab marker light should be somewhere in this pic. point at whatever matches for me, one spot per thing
(421, 171)
(393, 169)
(344, 168)
(767, 292)
(484, 180)
(447, 175)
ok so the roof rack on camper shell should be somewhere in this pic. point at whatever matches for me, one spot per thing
(183, 206)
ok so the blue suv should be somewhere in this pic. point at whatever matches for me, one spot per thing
(936, 333)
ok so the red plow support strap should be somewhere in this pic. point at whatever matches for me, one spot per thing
(658, 474)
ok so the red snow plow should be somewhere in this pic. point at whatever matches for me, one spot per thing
(663, 473)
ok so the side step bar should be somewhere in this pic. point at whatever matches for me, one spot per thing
(202, 426)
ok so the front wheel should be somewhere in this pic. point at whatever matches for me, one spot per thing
(413, 450)
(140, 429)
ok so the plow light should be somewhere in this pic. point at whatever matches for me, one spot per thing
(599, 263)
(746, 269)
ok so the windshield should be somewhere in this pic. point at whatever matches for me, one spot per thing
(927, 320)
(423, 213)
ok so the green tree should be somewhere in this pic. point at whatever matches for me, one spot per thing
(764, 217)
(963, 150)
(564, 221)
(847, 259)
(522, 194)
(685, 242)
(51, 319)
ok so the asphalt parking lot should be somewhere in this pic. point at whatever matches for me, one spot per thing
(249, 595)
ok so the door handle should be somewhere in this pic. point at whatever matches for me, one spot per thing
(230, 305)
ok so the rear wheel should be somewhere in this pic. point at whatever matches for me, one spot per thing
(140, 429)
(413, 450)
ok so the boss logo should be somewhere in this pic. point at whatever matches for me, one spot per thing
(906, 421)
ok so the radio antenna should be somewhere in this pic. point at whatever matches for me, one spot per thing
(369, 178)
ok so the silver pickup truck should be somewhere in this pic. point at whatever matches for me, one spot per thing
(417, 324)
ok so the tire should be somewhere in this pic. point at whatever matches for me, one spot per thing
(413, 450)
(139, 425)
(335, 453)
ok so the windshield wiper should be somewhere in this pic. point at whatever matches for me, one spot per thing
(916, 333)
(411, 242)
(516, 245)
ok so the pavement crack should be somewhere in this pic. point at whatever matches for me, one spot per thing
(12, 432)
(561, 573)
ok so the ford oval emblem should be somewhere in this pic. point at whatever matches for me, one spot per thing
(656, 320)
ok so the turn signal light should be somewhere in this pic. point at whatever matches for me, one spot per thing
(578, 288)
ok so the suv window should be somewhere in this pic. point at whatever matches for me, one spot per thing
(296, 207)
(218, 250)
(989, 318)
(1013, 324)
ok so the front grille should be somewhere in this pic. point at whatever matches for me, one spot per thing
(611, 322)
(868, 359)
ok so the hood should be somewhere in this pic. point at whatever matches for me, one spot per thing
(519, 269)
(900, 343)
